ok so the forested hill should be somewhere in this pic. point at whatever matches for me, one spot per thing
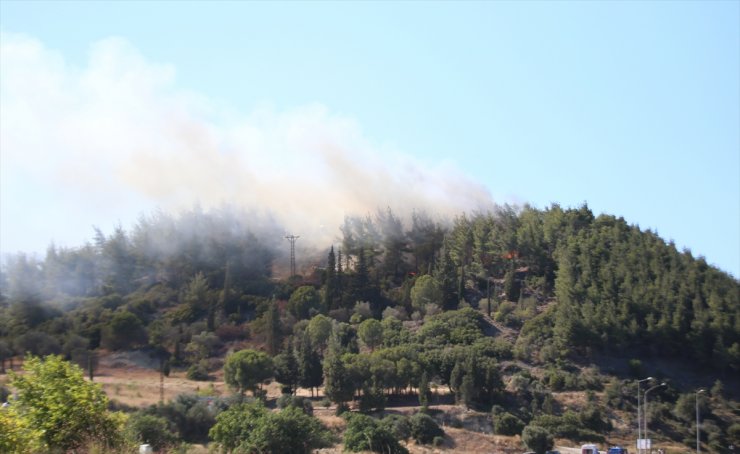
(569, 282)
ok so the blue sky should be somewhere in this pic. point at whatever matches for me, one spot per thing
(632, 107)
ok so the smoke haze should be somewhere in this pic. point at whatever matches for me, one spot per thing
(104, 142)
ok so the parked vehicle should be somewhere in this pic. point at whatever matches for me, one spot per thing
(617, 450)
(589, 449)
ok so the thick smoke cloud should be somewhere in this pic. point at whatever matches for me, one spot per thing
(102, 142)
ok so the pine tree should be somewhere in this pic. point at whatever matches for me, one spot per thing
(337, 380)
(272, 328)
(424, 392)
(331, 284)
(446, 275)
(309, 364)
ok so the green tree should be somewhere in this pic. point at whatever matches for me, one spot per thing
(446, 275)
(245, 370)
(309, 364)
(286, 370)
(319, 328)
(304, 302)
(235, 424)
(272, 329)
(67, 411)
(251, 429)
(424, 428)
(537, 439)
(197, 298)
(424, 392)
(507, 424)
(338, 384)
(150, 429)
(426, 290)
(125, 330)
(331, 286)
(364, 433)
(289, 430)
(371, 333)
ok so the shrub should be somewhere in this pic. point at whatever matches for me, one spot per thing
(55, 400)
(364, 433)
(198, 372)
(507, 424)
(424, 428)
(252, 428)
(538, 439)
(150, 429)
(192, 415)
(303, 403)
(398, 425)
(636, 368)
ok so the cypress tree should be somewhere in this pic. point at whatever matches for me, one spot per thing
(331, 284)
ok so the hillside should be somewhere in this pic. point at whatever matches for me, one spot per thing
(517, 318)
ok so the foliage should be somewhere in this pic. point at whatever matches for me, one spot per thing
(364, 433)
(286, 370)
(538, 439)
(150, 429)
(247, 369)
(235, 425)
(305, 302)
(424, 428)
(192, 416)
(507, 424)
(252, 429)
(198, 372)
(55, 399)
(303, 403)
(426, 290)
(338, 384)
(17, 435)
(587, 427)
(371, 333)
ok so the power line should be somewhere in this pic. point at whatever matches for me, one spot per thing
(292, 239)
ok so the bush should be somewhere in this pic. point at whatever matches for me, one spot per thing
(636, 368)
(538, 439)
(150, 429)
(507, 424)
(303, 403)
(364, 433)
(252, 428)
(568, 426)
(198, 372)
(424, 428)
(397, 425)
(191, 414)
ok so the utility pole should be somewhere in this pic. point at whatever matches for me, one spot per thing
(639, 417)
(698, 445)
(292, 239)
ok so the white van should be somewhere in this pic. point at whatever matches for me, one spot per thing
(589, 449)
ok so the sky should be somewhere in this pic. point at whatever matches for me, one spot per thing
(110, 110)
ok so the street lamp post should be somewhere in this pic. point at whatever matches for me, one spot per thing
(639, 418)
(698, 447)
(645, 411)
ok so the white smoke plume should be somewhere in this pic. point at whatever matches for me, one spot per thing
(102, 142)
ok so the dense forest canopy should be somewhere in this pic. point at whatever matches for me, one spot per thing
(586, 283)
